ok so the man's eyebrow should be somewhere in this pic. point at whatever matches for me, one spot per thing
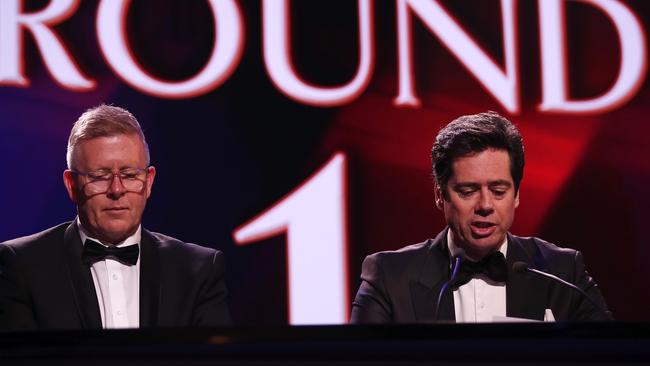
(494, 183)
(466, 185)
(500, 182)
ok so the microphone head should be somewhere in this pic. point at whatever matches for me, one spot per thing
(520, 267)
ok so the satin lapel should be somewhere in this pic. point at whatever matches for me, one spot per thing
(81, 280)
(525, 294)
(149, 280)
(433, 274)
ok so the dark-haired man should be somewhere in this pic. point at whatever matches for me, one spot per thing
(478, 164)
(103, 270)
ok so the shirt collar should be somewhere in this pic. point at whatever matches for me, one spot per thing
(131, 240)
(453, 249)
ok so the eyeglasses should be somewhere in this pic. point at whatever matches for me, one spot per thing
(99, 181)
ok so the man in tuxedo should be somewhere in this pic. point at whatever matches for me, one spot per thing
(478, 164)
(103, 269)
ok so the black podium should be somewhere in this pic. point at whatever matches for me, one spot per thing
(435, 344)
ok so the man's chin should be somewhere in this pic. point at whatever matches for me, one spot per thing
(483, 245)
(115, 233)
(476, 246)
(487, 244)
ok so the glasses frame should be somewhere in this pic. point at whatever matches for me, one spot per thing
(110, 180)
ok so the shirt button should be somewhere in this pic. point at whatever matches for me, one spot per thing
(119, 312)
(115, 276)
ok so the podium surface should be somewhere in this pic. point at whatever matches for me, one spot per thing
(432, 344)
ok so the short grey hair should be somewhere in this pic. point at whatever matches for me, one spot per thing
(103, 121)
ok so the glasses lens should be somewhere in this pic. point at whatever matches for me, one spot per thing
(97, 186)
(133, 185)
(132, 181)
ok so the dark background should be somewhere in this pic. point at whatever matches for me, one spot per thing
(225, 156)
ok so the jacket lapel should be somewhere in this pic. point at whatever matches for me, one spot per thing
(434, 272)
(83, 288)
(525, 294)
(149, 280)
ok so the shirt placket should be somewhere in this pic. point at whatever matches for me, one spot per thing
(117, 294)
(480, 301)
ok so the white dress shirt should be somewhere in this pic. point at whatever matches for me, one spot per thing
(481, 299)
(117, 286)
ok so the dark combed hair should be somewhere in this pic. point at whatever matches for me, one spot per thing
(473, 134)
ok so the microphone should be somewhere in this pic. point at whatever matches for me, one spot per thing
(522, 267)
(457, 259)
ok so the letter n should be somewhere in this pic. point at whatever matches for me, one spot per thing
(502, 85)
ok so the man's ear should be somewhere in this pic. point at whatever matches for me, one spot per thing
(151, 175)
(437, 191)
(517, 199)
(71, 185)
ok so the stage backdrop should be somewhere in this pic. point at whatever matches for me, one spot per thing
(295, 135)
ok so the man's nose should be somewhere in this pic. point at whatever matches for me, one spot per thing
(116, 188)
(485, 206)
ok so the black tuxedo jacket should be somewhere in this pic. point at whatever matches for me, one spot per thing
(45, 285)
(402, 286)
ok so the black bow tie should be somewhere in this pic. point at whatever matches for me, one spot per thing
(95, 252)
(493, 266)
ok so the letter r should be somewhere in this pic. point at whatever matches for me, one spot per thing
(56, 57)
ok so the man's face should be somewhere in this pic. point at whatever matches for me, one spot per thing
(481, 201)
(114, 215)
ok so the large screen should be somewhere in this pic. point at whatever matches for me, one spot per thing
(295, 136)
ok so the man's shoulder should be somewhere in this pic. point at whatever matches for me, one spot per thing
(176, 246)
(531, 243)
(546, 255)
(405, 252)
(402, 257)
(400, 266)
(53, 234)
